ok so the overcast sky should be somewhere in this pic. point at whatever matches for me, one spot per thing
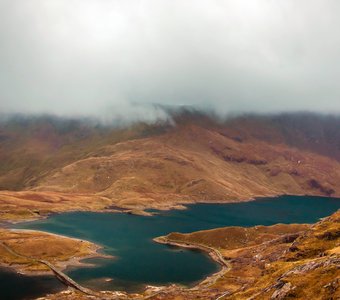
(95, 57)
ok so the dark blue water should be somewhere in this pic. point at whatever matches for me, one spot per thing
(15, 286)
(140, 261)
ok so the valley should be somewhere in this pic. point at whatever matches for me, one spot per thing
(52, 168)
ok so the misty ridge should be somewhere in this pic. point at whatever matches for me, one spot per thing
(301, 129)
(74, 69)
(167, 115)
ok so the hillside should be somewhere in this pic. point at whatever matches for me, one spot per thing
(270, 262)
(23, 250)
(164, 165)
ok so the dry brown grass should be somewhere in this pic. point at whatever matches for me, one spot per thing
(195, 161)
(230, 238)
(264, 259)
(28, 205)
(194, 164)
(35, 245)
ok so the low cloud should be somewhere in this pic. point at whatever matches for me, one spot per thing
(115, 59)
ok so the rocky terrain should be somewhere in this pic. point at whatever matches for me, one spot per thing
(51, 165)
(276, 262)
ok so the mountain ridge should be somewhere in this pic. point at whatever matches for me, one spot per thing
(162, 165)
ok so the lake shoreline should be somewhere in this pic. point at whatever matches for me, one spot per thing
(143, 211)
(62, 265)
(213, 253)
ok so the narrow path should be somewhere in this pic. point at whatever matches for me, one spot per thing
(66, 279)
(59, 274)
(214, 253)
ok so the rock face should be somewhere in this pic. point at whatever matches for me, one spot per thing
(282, 291)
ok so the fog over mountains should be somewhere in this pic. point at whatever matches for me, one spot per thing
(115, 58)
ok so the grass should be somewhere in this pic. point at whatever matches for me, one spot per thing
(39, 245)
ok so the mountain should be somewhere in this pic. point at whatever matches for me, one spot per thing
(196, 157)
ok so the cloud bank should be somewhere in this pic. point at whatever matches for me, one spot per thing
(115, 57)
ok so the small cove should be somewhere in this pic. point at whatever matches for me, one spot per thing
(139, 261)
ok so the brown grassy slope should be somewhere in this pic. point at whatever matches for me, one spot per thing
(27, 205)
(310, 269)
(305, 131)
(161, 166)
(272, 262)
(230, 238)
(193, 163)
(58, 250)
(30, 148)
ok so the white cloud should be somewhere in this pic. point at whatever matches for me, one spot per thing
(91, 57)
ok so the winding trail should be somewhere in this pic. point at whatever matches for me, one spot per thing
(59, 274)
